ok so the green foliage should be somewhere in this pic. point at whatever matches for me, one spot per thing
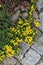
(12, 34)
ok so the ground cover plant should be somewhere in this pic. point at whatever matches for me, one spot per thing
(12, 34)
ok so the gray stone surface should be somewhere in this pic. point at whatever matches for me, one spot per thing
(41, 21)
(24, 15)
(35, 15)
(41, 16)
(24, 47)
(39, 4)
(24, 61)
(40, 40)
(31, 58)
(38, 46)
(41, 63)
(16, 16)
(9, 61)
(38, 35)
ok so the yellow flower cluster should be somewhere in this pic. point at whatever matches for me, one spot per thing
(2, 57)
(25, 31)
(32, 0)
(37, 23)
(20, 21)
(32, 9)
(12, 29)
(14, 42)
(22, 31)
(9, 51)
(28, 31)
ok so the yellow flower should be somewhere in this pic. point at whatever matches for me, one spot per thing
(32, 0)
(32, 8)
(26, 40)
(9, 51)
(19, 40)
(20, 21)
(30, 13)
(28, 30)
(33, 33)
(37, 24)
(2, 57)
(9, 54)
(14, 42)
(29, 39)
(18, 31)
(30, 44)
(12, 29)
(37, 31)
(26, 21)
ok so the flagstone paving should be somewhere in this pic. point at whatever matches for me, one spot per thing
(31, 58)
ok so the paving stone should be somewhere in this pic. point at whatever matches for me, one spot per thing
(24, 61)
(24, 47)
(39, 4)
(31, 58)
(25, 15)
(41, 61)
(19, 57)
(9, 61)
(35, 15)
(38, 35)
(41, 16)
(16, 16)
(41, 21)
(40, 39)
(38, 45)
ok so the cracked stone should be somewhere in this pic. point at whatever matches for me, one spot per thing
(31, 58)
(25, 15)
(38, 35)
(41, 61)
(16, 16)
(38, 45)
(9, 61)
(39, 4)
(24, 47)
(41, 21)
(35, 15)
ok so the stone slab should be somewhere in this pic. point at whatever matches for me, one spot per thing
(31, 58)
(9, 61)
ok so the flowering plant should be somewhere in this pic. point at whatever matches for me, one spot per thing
(12, 34)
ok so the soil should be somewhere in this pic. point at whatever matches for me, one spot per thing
(15, 5)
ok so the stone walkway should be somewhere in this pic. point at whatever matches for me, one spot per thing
(30, 55)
